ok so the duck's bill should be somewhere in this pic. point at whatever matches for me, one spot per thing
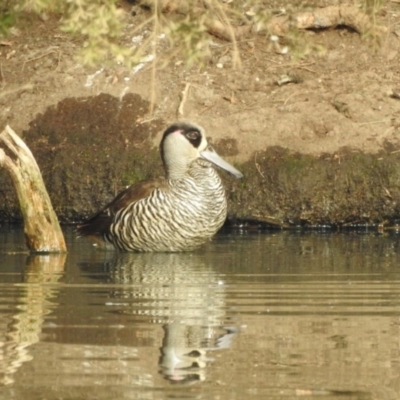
(210, 155)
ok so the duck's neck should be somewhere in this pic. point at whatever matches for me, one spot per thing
(177, 170)
(198, 169)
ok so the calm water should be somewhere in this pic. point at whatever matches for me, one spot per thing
(274, 316)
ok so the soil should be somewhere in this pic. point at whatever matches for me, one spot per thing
(321, 149)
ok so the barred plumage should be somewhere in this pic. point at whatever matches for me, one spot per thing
(176, 213)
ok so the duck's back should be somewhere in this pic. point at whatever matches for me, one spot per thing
(179, 216)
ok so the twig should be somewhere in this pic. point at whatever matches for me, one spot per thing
(3, 81)
(270, 59)
(37, 58)
(257, 165)
(28, 86)
(293, 94)
(206, 109)
(154, 63)
(305, 68)
(237, 62)
(185, 93)
(58, 60)
(373, 122)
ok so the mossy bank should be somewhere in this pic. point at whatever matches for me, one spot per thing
(90, 148)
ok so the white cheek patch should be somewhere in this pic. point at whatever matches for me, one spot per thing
(174, 141)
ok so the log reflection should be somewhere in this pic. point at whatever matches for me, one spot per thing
(37, 299)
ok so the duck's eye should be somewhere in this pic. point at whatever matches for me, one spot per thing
(193, 135)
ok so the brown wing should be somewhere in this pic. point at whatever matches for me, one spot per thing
(100, 222)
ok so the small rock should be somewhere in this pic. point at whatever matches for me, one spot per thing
(395, 94)
(290, 78)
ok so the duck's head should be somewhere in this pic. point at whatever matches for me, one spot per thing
(185, 142)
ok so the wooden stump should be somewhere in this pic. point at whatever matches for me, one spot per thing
(42, 231)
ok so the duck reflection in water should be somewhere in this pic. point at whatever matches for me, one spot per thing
(181, 293)
(184, 351)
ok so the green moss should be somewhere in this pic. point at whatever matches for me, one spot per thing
(145, 166)
(332, 188)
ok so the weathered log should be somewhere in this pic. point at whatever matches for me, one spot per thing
(323, 17)
(41, 227)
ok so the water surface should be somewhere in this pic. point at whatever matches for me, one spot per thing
(272, 316)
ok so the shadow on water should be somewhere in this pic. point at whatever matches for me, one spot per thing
(280, 316)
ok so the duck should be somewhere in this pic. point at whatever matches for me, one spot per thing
(177, 212)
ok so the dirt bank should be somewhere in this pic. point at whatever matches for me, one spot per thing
(321, 149)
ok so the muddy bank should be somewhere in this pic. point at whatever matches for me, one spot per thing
(348, 188)
(91, 148)
(88, 149)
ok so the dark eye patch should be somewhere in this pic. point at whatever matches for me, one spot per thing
(193, 135)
